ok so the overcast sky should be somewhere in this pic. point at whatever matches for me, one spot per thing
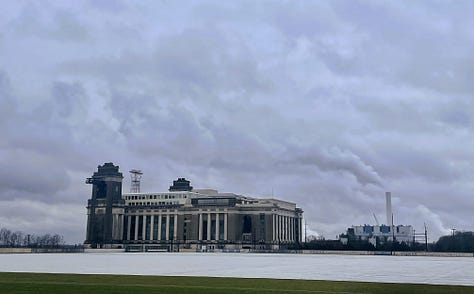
(326, 103)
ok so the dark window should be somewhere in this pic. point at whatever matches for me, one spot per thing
(140, 227)
(163, 227)
(125, 226)
(101, 190)
(247, 224)
(155, 227)
(204, 227)
(368, 229)
(221, 228)
(132, 227)
(147, 228)
(170, 237)
(213, 229)
(384, 229)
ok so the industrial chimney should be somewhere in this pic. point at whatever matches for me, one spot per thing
(388, 205)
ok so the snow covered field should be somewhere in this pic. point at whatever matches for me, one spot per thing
(398, 269)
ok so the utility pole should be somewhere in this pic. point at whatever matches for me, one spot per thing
(421, 238)
(453, 230)
(426, 239)
(393, 235)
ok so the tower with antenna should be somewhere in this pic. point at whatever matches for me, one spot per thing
(135, 176)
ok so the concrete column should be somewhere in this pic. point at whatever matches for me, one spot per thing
(280, 224)
(289, 228)
(277, 218)
(285, 225)
(167, 227)
(128, 226)
(274, 227)
(208, 226)
(300, 229)
(217, 226)
(200, 226)
(292, 230)
(225, 226)
(282, 228)
(159, 227)
(121, 226)
(288, 237)
(144, 228)
(136, 228)
(175, 232)
(152, 219)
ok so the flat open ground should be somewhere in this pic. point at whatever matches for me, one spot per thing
(70, 283)
(384, 269)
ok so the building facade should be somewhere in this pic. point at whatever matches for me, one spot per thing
(186, 218)
(380, 234)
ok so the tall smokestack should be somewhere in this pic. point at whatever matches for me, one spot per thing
(388, 206)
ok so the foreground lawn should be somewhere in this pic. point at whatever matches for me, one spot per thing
(89, 284)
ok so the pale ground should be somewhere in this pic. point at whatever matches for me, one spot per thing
(398, 269)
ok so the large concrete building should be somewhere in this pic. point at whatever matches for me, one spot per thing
(185, 218)
(380, 234)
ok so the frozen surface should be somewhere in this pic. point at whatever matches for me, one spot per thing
(397, 269)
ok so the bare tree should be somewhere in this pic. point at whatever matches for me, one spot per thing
(17, 239)
(4, 236)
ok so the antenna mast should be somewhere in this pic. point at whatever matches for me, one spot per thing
(136, 176)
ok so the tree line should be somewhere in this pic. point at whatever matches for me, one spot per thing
(458, 242)
(10, 238)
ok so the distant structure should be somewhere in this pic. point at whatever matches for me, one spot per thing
(105, 209)
(388, 208)
(136, 176)
(184, 218)
(379, 234)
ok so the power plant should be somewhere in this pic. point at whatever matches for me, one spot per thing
(379, 234)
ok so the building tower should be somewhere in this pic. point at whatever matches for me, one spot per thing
(105, 209)
(136, 176)
(181, 185)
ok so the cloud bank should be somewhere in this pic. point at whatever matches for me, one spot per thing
(325, 104)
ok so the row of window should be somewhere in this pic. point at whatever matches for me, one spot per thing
(153, 203)
(162, 196)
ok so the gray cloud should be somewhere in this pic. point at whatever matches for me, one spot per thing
(326, 104)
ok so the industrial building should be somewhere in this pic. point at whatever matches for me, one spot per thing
(379, 234)
(184, 217)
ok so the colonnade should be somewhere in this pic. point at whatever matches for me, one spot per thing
(152, 225)
(285, 228)
(218, 217)
(213, 226)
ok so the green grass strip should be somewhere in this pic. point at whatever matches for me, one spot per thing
(90, 284)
